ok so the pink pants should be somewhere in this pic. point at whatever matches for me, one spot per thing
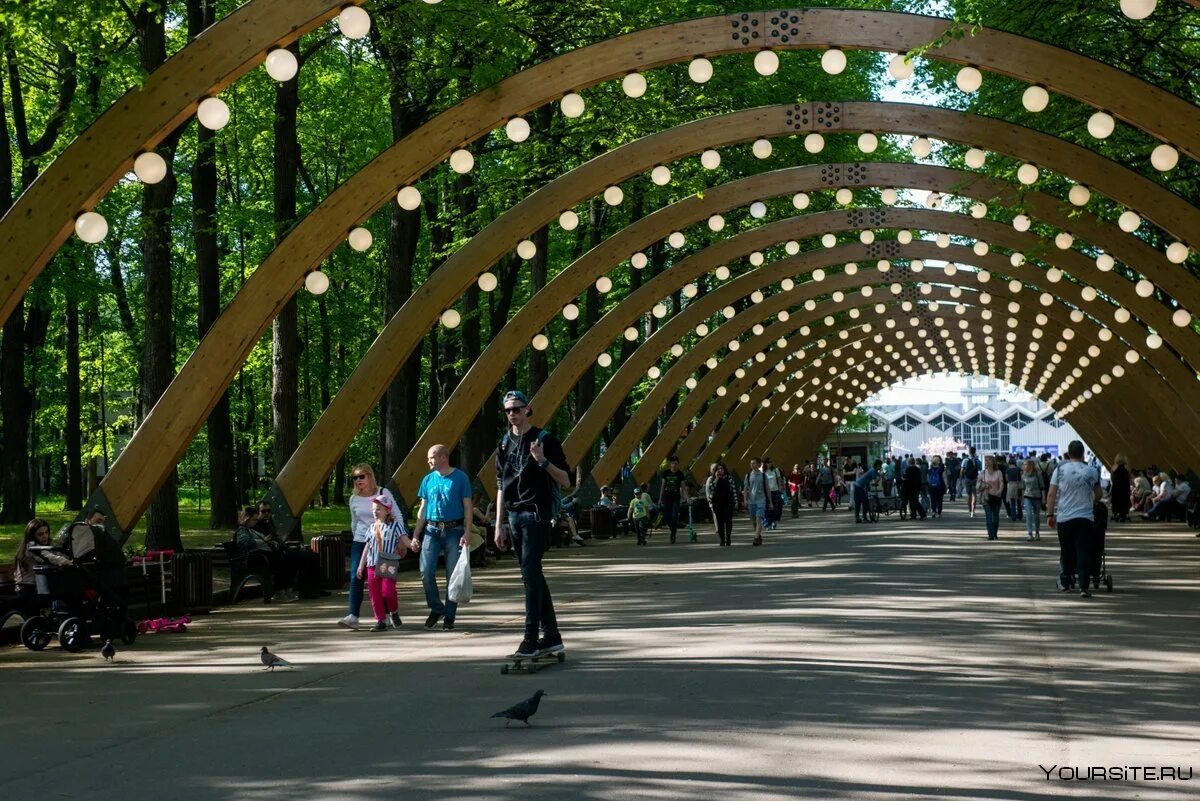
(383, 595)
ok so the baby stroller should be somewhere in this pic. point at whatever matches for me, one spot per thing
(1099, 567)
(84, 598)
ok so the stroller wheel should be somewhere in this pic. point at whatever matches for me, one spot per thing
(72, 634)
(36, 633)
(1108, 582)
(129, 632)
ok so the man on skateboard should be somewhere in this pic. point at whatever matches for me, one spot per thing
(530, 470)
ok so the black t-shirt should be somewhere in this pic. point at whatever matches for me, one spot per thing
(672, 481)
(526, 486)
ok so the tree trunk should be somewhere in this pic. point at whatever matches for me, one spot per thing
(74, 430)
(285, 334)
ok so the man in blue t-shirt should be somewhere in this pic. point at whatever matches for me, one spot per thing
(1074, 490)
(442, 527)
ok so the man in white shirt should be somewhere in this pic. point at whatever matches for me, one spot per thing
(1074, 489)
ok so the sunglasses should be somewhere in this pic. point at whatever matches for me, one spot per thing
(515, 410)
(358, 476)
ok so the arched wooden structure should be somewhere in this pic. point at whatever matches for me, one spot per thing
(178, 415)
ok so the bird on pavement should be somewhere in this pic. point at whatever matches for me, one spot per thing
(270, 661)
(108, 651)
(523, 710)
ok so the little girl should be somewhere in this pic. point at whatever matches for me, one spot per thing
(388, 541)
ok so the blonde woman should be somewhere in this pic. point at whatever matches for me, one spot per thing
(991, 488)
(362, 517)
(1031, 498)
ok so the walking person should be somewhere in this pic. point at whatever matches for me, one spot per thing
(1031, 498)
(708, 496)
(1120, 490)
(990, 485)
(380, 562)
(795, 485)
(639, 516)
(723, 497)
(923, 466)
(672, 491)
(755, 492)
(1074, 490)
(862, 490)
(362, 517)
(970, 476)
(910, 490)
(443, 527)
(825, 487)
(1014, 491)
(531, 468)
(775, 486)
(953, 464)
(937, 485)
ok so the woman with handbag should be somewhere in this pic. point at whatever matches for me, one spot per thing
(991, 488)
(388, 541)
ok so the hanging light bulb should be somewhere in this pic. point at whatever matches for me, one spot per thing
(791, 247)
(461, 161)
(1138, 9)
(91, 227)
(1101, 125)
(722, 273)
(766, 62)
(1129, 221)
(690, 290)
(900, 67)
(1027, 174)
(316, 282)
(1164, 158)
(149, 167)
(761, 148)
(1064, 240)
(889, 196)
(517, 129)
(660, 175)
(1021, 222)
(814, 143)
(572, 105)
(634, 84)
(408, 198)
(833, 61)
(568, 220)
(488, 282)
(716, 223)
(800, 200)
(451, 318)
(360, 239)
(354, 22)
(975, 158)
(758, 209)
(1035, 98)
(844, 196)
(1105, 262)
(604, 284)
(921, 147)
(1181, 318)
(281, 64)
(1143, 288)
(540, 342)
(676, 239)
(969, 79)
(1079, 195)
(710, 159)
(639, 260)
(613, 195)
(526, 249)
(604, 360)
(904, 237)
(1177, 253)
(979, 210)
(213, 113)
(700, 70)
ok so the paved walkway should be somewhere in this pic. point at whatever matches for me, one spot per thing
(892, 662)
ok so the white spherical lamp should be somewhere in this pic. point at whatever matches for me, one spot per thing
(676, 239)
(613, 195)
(451, 318)
(921, 147)
(572, 105)
(700, 70)
(1101, 125)
(1027, 174)
(634, 84)
(766, 62)
(969, 79)
(354, 22)
(540, 342)
(1143, 288)
(1138, 9)
(758, 209)
(791, 247)
(639, 260)
(568, 220)
(904, 237)
(722, 273)
(1164, 158)
(604, 284)
(461, 161)
(149, 167)
(710, 159)
(828, 240)
(975, 158)
(659, 311)
(604, 359)
(660, 176)
(526, 249)
(800, 200)
(979, 210)
(316, 282)
(1177, 253)
(868, 142)
(866, 237)
(889, 196)
(409, 198)
(762, 148)
(900, 67)
(1063, 240)
(1035, 98)
(282, 65)
(360, 239)
(833, 61)
(213, 113)
(517, 129)
(1022, 222)
(844, 196)
(716, 223)
(487, 282)
(1154, 342)
(1181, 318)
(1129, 221)
(1079, 195)
(1105, 262)
(91, 227)
(690, 290)
(814, 143)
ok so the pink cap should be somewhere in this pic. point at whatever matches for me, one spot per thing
(383, 501)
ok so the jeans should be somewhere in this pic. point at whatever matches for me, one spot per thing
(991, 516)
(434, 543)
(383, 595)
(936, 494)
(952, 485)
(1033, 520)
(796, 502)
(670, 513)
(826, 500)
(640, 524)
(530, 540)
(356, 584)
(861, 505)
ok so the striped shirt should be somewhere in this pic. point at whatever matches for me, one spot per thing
(390, 538)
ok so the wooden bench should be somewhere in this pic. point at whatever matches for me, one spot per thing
(244, 568)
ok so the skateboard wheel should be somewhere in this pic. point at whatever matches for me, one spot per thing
(504, 670)
(562, 658)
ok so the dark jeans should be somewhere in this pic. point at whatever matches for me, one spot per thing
(530, 540)
(936, 495)
(952, 486)
(670, 513)
(356, 583)
(915, 509)
(723, 515)
(826, 502)
(861, 504)
(991, 515)
(1075, 550)
(640, 525)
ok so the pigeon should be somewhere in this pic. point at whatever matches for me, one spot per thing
(108, 651)
(522, 711)
(270, 661)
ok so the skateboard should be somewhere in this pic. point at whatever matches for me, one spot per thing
(526, 664)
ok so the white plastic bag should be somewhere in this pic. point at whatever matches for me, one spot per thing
(460, 580)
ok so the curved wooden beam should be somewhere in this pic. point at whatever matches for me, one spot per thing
(218, 57)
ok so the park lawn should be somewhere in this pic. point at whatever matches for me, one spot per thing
(193, 526)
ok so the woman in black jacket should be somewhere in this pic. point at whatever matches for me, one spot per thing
(724, 503)
(1120, 490)
(910, 490)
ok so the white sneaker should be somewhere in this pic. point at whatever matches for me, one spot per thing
(349, 622)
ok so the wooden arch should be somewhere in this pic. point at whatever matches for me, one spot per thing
(41, 220)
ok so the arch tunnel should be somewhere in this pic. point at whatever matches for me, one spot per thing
(775, 318)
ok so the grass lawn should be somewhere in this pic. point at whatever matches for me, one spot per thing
(194, 525)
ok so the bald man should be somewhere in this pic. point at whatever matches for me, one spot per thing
(442, 527)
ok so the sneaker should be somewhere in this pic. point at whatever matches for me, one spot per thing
(379, 626)
(1083, 593)
(395, 620)
(432, 620)
(551, 644)
(447, 625)
(527, 650)
(349, 622)
(1062, 587)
